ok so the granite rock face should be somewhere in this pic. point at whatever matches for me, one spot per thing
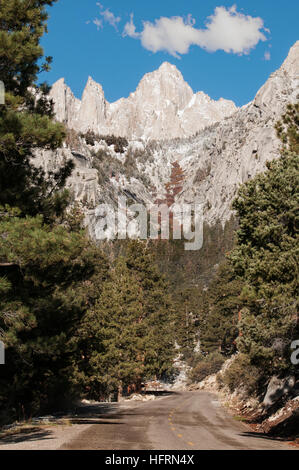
(214, 162)
(277, 388)
(163, 106)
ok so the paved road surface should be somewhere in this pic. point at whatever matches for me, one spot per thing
(180, 421)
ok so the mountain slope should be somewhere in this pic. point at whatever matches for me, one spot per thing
(214, 162)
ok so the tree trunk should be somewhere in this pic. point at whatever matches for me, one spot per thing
(119, 392)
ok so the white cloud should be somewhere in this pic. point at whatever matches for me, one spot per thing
(267, 55)
(130, 29)
(231, 31)
(98, 23)
(226, 30)
(170, 34)
(108, 16)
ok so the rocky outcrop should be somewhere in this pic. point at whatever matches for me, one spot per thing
(277, 388)
(279, 420)
(67, 106)
(285, 422)
(93, 108)
(163, 106)
(227, 154)
(214, 162)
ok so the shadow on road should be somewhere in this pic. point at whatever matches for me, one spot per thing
(160, 393)
(94, 414)
(85, 414)
(23, 435)
(261, 435)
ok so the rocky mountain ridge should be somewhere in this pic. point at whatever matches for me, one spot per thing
(163, 106)
(213, 163)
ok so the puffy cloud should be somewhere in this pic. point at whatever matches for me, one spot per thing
(108, 16)
(231, 31)
(171, 34)
(226, 30)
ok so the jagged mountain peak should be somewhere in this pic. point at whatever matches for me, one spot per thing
(61, 81)
(166, 68)
(92, 82)
(163, 106)
(285, 78)
(93, 88)
(291, 64)
(167, 75)
(214, 162)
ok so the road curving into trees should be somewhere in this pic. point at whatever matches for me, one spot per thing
(178, 421)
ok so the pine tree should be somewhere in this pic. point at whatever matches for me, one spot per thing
(26, 118)
(50, 273)
(219, 327)
(23, 23)
(48, 282)
(158, 312)
(111, 336)
(128, 336)
(266, 255)
(190, 309)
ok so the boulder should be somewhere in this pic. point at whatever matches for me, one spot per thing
(277, 388)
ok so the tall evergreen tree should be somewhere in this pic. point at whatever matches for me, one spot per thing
(129, 335)
(50, 273)
(158, 313)
(266, 255)
(112, 336)
(23, 23)
(190, 310)
(25, 119)
(48, 282)
(219, 327)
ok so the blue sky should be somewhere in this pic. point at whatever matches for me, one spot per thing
(226, 49)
